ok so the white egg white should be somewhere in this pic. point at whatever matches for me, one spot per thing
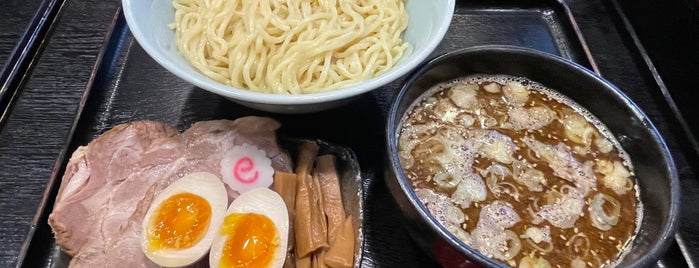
(261, 201)
(206, 185)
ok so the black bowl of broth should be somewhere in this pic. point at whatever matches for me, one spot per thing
(507, 156)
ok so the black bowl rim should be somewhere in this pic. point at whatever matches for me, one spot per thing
(670, 228)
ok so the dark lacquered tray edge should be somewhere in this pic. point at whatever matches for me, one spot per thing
(580, 37)
(561, 7)
(45, 206)
(656, 76)
(670, 102)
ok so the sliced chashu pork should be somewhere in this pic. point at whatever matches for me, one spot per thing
(110, 183)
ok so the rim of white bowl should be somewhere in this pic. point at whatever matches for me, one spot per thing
(209, 84)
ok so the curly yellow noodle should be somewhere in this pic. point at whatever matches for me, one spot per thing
(290, 46)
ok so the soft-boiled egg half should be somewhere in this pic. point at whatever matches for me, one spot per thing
(254, 232)
(183, 219)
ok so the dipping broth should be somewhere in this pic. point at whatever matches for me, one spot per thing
(521, 173)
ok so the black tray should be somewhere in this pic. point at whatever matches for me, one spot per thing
(126, 85)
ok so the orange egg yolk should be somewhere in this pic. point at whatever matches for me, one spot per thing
(252, 241)
(179, 222)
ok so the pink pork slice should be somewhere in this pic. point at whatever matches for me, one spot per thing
(109, 184)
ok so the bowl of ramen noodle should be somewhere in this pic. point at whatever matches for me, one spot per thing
(503, 156)
(289, 56)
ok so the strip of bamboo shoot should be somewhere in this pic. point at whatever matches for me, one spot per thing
(285, 186)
